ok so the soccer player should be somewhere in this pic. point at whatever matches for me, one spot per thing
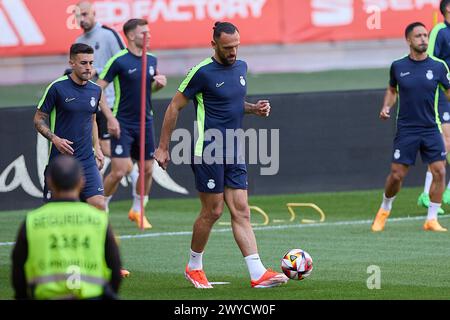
(218, 87)
(106, 43)
(125, 70)
(70, 104)
(439, 46)
(416, 79)
(46, 254)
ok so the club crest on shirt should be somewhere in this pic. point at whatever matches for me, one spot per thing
(93, 102)
(118, 149)
(242, 80)
(430, 75)
(446, 116)
(151, 70)
(397, 154)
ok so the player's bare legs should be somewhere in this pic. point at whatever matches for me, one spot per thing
(237, 202)
(212, 208)
(437, 169)
(392, 187)
(97, 201)
(395, 179)
(135, 212)
(437, 187)
(105, 145)
(119, 168)
(211, 211)
(148, 172)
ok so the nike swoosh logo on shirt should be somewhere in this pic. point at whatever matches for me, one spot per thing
(404, 74)
(132, 70)
(69, 99)
(218, 85)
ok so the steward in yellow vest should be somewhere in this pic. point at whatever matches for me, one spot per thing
(66, 249)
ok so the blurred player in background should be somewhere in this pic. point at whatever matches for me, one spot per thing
(416, 79)
(124, 69)
(218, 88)
(439, 46)
(106, 43)
(70, 105)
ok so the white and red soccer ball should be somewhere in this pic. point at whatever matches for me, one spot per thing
(297, 264)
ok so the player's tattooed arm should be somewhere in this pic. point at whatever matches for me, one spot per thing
(260, 108)
(41, 124)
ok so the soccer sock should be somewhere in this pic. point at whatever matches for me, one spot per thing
(195, 261)
(255, 266)
(137, 203)
(433, 210)
(134, 175)
(387, 203)
(107, 200)
(428, 181)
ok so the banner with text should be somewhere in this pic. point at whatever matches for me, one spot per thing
(45, 27)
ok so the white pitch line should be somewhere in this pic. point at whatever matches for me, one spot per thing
(4, 244)
(262, 228)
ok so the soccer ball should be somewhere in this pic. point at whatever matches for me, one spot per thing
(297, 264)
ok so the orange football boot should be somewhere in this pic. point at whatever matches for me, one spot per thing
(433, 225)
(269, 279)
(197, 278)
(136, 217)
(380, 220)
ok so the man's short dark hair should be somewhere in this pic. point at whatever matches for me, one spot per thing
(77, 48)
(443, 5)
(223, 27)
(411, 27)
(132, 24)
(65, 173)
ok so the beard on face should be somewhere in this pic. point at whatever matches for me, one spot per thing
(228, 61)
(421, 48)
(84, 25)
(231, 60)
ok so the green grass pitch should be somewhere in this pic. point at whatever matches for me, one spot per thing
(29, 94)
(413, 263)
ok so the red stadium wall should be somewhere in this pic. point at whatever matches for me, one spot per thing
(31, 27)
